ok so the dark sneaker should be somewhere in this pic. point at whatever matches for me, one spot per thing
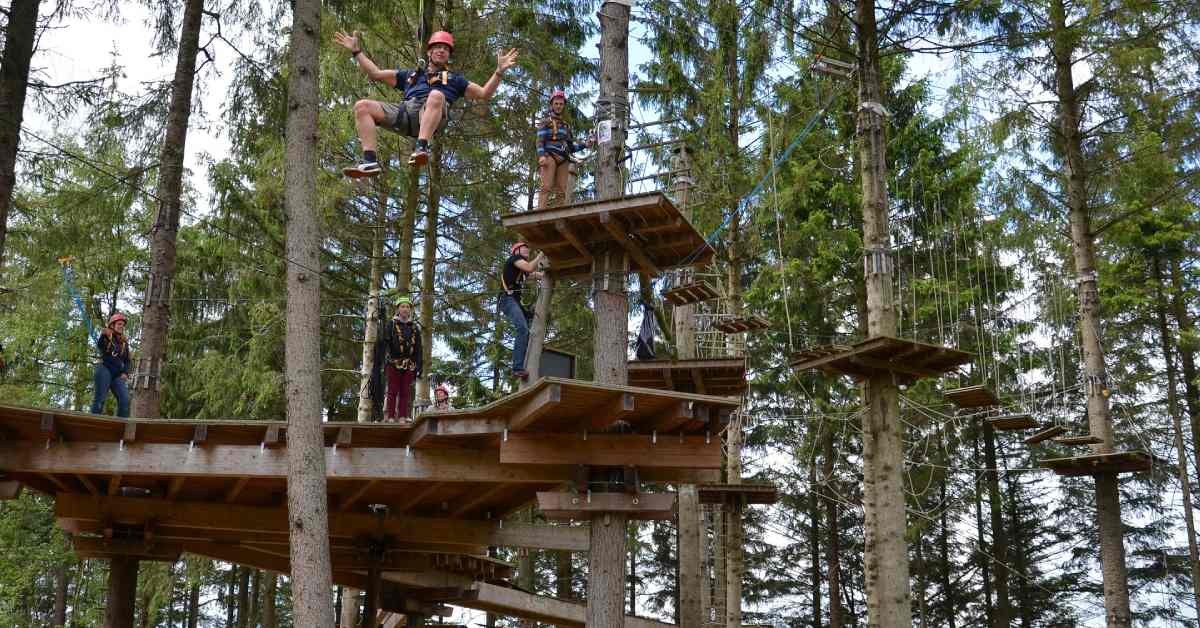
(419, 158)
(365, 169)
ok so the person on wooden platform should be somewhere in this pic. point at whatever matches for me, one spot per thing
(441, 399)
(428, 94)
(401, 340)
(517, 268)
(112, 370)
(556, 147)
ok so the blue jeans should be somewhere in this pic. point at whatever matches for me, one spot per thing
(512, 310)
(104, 382)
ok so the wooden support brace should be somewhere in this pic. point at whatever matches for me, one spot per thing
(114, 484)
(346, 502)
(477, 500)
(432, 426)
(232, 494)
(642, 506)
(564, 228)
(542, 403)
(87, 483)
(611, 450)
(615, 410)
(677, 414)
(174, 487)
(617, 230)
(53, 479)
(130, 433)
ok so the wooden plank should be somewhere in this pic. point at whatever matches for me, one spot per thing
(641, 506)
(674, 416)
(559, 537)
(978, 396)
(611, 450)
(612, 411)
(49, 426)
(114, 484)
(698, 381)
(430, 427)
(175, 486)
(417, 497)
(1083, 439)
(9, 489)
(232, 461)
(87, 483)
(232, 494)
(1046, 434)
(1012, 422)
(617, 230)
(93, 548)
(564, 228)
(872, 364)
(477, 500)
(1114, 462)
(545, 401)
(200, 434)
(738, 493)
(514, 603)
(346, 502)
(345, 436)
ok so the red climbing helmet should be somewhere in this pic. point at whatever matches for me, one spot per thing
(441, 37)
(117, 317)
(558, 93)
(517, 246)
(441, 388)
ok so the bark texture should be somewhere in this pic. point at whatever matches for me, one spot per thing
(122, 593)
(306, 487)
(156, 313)
(371, 324)
(14, 83)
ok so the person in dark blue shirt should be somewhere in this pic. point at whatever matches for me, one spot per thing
(555, 148)
(517, 268)
(428, 94)
(113, 368)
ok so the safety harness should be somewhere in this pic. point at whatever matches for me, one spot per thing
(407, 347)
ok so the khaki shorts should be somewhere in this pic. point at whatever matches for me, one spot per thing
(405, 117)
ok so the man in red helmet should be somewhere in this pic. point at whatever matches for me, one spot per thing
(428, 94)
(556, 147)
(516, 269)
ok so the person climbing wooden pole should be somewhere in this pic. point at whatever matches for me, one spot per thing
(517, 268)
(428, 96)
(556, 147)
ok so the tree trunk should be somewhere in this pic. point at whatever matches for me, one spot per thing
(408, 230)
(156, 313)
(306, 486)
(268, 615)
(62, 581)
(122, 592)
(690, 539)
(243, 598)
(14, 82)
(1164, 332)
(1108, 500)
(983, 561)
(1018, 538)
(366, 406)
(834, 566)
(733, 529)
(949, 593)
(814, 543)
(230, 600)
(999, 547)
(886, 554)
(1187, 358)
(193, 614)
(255, 596)
(429, 270)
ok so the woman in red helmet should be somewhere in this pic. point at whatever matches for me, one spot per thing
(555, 148)
(516, 269)
(428, 94)
(441, 399)
(113, 368)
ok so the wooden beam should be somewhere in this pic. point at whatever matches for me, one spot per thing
(345, 437)
(616, 229)
(690, 551)
(346, 502)
(129, 435)
(545, 401)
(232, 494)
(479, 498)
(83, 479)
(430, 427)
(564, 228)
(615, 410)
(567, 538)
(645, 506)
(90, 547)
(114, 484)
(698, 379)
(417, 497)
(174, 487)
(515, 603)
(673, 417)
(10, 489)
(53, 479)
(611, 450)
(907, 368)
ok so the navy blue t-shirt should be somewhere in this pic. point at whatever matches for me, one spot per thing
(416, 84)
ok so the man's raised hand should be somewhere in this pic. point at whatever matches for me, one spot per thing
(349, 42)
(506, 60)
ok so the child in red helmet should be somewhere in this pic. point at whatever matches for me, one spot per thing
(516, 269)
(113, 368)
(428, 94)
(555, 148)
(441, 399)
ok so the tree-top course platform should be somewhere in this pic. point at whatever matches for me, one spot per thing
(650, 229)
(418, 503)
(706, 376)
(908, 360)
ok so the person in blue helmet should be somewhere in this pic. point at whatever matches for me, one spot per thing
(112, 371)
(428, 94)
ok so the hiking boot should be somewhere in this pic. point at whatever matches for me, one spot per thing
(365, 169)
(419, 157)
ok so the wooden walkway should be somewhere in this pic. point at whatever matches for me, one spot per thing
(907, 359)
(648, 226)
(710, 376)
(432, 493)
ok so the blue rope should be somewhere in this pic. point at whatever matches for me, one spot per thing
(69, 282)
(808, 127)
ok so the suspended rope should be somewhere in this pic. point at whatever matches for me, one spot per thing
(69, 285)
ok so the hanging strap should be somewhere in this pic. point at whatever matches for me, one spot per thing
(69, 283)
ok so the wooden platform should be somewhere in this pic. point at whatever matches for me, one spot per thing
(741, 324)
(691, 292)
(738, 493)
(1045, 434)
(979, 396)
(712, 376)
(647, 226)
(1018, 421)
(908, 359)
(433, 493)
(1082, 439)
(1116, 462)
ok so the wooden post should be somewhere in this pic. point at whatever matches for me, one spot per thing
(122, 592)
(370, 617)
(689, 546)
(888, 597)
(371, 323)
(537, 331)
